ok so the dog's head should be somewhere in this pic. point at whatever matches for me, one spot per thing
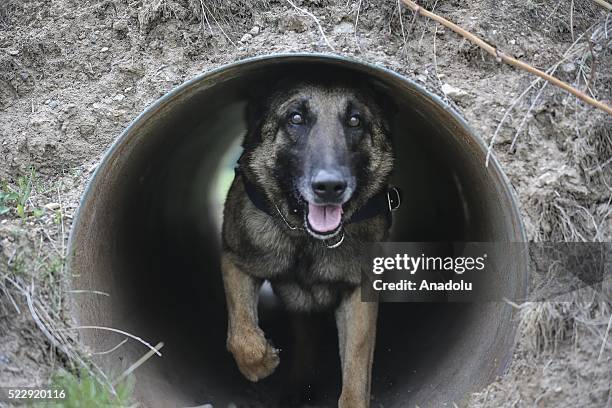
(319, 151)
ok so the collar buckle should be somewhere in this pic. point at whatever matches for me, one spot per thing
(394, 199)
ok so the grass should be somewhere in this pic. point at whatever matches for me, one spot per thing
(14, 197)
(35, 282)
(85, 391)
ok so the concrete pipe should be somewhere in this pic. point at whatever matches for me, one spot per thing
(148, 229)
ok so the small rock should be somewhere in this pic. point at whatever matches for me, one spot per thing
(344, 28)
(246, 38)
(568, 67)
(120, 25)
(87, 130)
(104, 49)
(69, 108)
(53, 104)
(293, 22)
(453, 92)
(52, 206)
(119, 97)
(254, 31)
(13, 52)
(512, 42)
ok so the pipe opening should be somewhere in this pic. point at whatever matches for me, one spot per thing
(148, 233)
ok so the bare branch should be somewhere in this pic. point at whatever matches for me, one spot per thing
(501, 56)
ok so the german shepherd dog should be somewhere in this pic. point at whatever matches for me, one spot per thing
(310, 192)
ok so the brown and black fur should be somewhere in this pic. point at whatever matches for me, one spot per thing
(304, 273)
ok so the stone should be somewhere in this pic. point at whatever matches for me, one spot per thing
(453, 92)
(254, 31)
(120, 25)
(87, 130)
(293, 22)
(344, 28)
(568, 67)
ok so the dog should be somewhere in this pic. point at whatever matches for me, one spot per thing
(310, 192)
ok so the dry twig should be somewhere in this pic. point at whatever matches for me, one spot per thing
(605, 339)
(604, 4)
(138, 339)
(138, 363)
(316, 20)
(501, 56)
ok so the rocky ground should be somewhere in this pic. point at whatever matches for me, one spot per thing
(73, 74)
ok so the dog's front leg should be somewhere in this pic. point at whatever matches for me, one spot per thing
(255, 357)
(356, 321)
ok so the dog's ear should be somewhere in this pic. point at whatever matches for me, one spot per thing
(257, 105)
(260, 97)
(383, 96)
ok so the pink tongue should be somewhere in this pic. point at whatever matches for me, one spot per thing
(324, 218)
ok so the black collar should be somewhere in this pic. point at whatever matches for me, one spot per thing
(384, 202)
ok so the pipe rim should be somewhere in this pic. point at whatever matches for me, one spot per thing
(494, 170)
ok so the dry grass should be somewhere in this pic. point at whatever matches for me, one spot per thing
(593, 152)
(227, 18)
(33, 277)
(564, 352)
(560, 18)
(545, 325)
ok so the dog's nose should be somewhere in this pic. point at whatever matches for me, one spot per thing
(328, 186)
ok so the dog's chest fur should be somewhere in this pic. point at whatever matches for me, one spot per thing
(305, 274)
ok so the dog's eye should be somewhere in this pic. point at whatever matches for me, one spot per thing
(296, 118)
(354, 121)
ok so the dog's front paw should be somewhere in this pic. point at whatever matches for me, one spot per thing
(255, 357)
